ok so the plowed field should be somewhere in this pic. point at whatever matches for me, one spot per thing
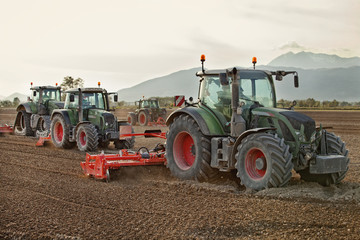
(44, 195)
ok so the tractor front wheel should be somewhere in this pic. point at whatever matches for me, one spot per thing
(263, 161)
(335, 146)
(60, 133)
(87, 138)
(43, 126)
(188, 151)
(131, 119)
(143, 118)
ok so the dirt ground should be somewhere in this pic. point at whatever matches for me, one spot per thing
(44, 195)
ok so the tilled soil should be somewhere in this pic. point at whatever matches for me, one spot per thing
(44, 195)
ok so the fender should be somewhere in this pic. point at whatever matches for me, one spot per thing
(245, 134)
(24, 106)
(63, 113)
(216, 130)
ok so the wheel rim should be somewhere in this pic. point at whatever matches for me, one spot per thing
(142, 118)
(184, 150)
(255, 163)
(82, 138)
(59, 132)
(129, 119)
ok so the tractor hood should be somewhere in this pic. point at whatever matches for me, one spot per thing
(296, 119)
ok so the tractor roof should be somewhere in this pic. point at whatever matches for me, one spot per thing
(45, 87)
(218, 71)
(88, 90)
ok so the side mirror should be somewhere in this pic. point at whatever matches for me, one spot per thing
(296, 81)
(223, 79)
(115, 98)
(34, 93)
(72, 98)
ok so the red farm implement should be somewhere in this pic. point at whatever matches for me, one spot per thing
(6, 129)
(99, 165)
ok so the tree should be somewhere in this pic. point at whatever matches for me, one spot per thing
(70, 82)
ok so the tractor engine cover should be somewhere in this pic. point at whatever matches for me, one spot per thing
(297, 119)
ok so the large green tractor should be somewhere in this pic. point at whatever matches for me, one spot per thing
(33, 117)
(235, 125)
(87, 122)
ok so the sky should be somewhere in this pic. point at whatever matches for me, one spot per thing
(122, 43)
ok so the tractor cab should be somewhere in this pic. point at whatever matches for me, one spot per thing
(45, 99)
(254, 87)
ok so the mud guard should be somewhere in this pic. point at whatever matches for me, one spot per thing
(24, 106)
(194, 114)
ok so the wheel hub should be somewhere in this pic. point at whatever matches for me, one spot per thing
(260, 163)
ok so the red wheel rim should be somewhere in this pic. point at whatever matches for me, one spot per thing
(129, 119)
(142, 118)
(82, 138)
(184, 150)
(255, 163)
(59, 132)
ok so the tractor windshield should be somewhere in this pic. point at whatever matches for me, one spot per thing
(51, 94)
(254, 86)
(93, 100)
(89, 101)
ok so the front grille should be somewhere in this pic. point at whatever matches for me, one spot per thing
(109, 118)
(297, 119)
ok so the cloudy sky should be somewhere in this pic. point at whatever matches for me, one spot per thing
(122, 43)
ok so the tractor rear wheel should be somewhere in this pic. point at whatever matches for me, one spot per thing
(60, 133)
(143, 118)
(188, 151)
(131, 119)
(87, 138)
(335, 146)
(263, 161)
(22, 126)
(43, 126)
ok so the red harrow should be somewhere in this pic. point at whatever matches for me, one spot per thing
(99, 165)
(6, 129)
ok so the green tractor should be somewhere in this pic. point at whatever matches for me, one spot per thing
(33, 117)
(148, 110)
(235, 125)
(87, 122)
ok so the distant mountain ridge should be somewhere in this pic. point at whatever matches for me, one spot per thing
(22, 97)
(309, 60)
(331, 78)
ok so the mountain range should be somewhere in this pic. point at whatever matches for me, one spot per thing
(321, 76)
(11, 97)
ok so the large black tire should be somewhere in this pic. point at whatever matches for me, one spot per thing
(143, 118)
(335, 146)
(60, 133)
(131, 119)
(263, 161)
(188, 151)
(43, 126)
(22, 126)
(87, 138)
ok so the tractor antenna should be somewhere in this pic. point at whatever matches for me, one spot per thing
(254, 61)
(202, 59)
